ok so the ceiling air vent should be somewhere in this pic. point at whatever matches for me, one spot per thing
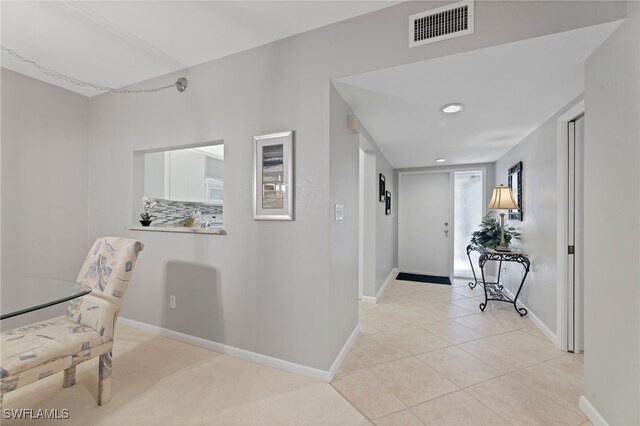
(450, 21)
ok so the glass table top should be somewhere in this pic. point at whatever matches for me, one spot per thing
(26, 294)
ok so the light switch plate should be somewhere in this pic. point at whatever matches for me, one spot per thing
(339, 212)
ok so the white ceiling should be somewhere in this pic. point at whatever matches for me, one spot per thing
(508, 91)
(118, 43)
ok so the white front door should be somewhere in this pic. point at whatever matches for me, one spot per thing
(424, 216)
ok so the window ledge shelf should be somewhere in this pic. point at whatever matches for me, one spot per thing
(178, 229)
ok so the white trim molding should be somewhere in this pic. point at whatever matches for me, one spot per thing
(562, 215)
(280, 364)
(370, 299)
(592, 414)
(534, 319)
(343, 353)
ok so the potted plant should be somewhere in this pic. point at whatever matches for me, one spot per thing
(146, 219)
(488, 236)
(147, 203)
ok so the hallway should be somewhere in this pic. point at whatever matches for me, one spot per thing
(426, 354)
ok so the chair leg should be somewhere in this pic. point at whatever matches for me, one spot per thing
(69, 377)
(104, 378)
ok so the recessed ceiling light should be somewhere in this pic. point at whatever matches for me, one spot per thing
(451, 108)
(440, 160)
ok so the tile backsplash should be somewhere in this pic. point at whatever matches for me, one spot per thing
(175, 213)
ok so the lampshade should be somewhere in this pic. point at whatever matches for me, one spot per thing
(502, 199)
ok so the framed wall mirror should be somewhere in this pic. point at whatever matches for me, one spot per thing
(515, 183)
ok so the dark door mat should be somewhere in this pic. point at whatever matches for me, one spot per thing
(431, 279)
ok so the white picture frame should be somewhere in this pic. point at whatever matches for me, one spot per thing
(273, 176)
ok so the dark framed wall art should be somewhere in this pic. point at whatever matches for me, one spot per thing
(515, 183)
(381, 187)
(387, 203)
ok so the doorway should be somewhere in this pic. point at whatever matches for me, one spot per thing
(367, 221)
(424, 218)
(575, 265)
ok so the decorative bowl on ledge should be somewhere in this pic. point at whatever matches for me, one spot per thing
(145, 222)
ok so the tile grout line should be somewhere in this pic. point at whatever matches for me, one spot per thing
(423, 326)
(350, 403)
(532, 389)
(517, 371)
(487, 407)
(407, 406)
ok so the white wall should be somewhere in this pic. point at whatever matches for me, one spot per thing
(344, 255)
(369, 205)
(45, 152)
(612, 225)
(45, 148)
(381, 241)
(539, 228)
(273, 278)
(386, 225)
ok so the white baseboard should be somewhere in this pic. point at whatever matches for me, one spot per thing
(534, 319)
(591, 413)
(392, 276)
(370, 299)
(343, 353)
(291, 367)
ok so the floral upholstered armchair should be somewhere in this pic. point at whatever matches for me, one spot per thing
(39, 350)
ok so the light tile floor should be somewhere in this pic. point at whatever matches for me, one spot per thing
(428, 355)
(159, 381)
(425, 356)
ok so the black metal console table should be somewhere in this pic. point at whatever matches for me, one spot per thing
(480, 250)
(495, 291)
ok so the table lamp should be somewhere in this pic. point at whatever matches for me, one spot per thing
(502, 199)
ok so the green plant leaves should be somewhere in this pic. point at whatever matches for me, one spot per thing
(488, 235)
